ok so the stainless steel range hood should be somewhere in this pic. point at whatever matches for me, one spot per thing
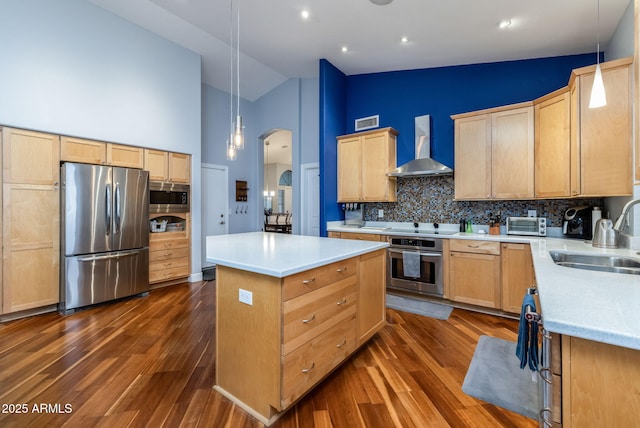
(423, 164)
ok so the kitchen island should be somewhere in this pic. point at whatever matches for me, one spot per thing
(289, 310)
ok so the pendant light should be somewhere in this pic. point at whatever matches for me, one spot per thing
(236, 134)
(267, 193)
(598, 96)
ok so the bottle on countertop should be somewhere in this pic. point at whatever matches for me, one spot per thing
(463, 225)
(469, 228)
(596, 215)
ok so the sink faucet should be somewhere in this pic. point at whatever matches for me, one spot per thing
(623, 215)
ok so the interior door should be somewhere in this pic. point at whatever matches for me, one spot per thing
(215, 204)
(310, 209)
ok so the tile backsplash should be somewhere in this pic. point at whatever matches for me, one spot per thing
(430, 199)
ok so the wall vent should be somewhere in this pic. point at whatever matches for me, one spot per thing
(367, 122)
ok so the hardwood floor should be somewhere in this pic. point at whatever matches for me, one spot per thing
(149, 361)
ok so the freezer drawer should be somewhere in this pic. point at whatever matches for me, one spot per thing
(96, 278)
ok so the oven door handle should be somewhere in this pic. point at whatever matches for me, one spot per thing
(392, 250)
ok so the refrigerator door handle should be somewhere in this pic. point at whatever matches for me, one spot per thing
(108, 208)
(118, 212)
(109, 256)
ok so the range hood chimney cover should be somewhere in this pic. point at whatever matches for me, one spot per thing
(422, 165)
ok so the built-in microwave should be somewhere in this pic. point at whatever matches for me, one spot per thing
(531, 226)
(168, 197)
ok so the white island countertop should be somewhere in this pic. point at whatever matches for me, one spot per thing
(280, 255)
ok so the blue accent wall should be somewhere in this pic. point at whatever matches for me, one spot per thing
(333, 92)
(400, 96)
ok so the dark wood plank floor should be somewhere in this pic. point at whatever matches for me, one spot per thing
(149, 362)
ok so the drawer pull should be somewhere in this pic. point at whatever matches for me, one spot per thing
(473, 246)
(342, 302)
(340, 345)
(307, 321)
(167, 245)
(167, 254)
(313, 364)
(168, 264)
(308, 281)
(342, 269)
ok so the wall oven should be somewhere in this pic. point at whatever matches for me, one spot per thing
(168, 197)
(427, 279)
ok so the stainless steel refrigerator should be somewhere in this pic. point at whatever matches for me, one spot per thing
(105, 234)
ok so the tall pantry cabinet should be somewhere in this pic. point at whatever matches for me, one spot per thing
(30, 232)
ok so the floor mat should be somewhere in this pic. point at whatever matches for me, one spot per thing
(417, 306)
(494, 376)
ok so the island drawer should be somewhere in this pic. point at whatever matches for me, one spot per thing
(308, 364)
(155, 256)
(304, 282)
(472, 246)
(167, 244)
(312, 313)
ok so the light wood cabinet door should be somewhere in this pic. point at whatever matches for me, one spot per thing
(125, 156)
(157, 163)
(517, 275)
(378, 158)
(364, 159)
(361, 236)
(605, 135)
(553, 146)
(179, 168)
(473, 157)
(512, 153)
(83, 151)
(349, 170)
(599, 384)
(474, 278)
(371, 310)
(31, 225)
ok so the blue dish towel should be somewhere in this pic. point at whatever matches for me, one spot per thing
(527, 347)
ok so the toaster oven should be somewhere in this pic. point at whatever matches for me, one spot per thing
(529, 226)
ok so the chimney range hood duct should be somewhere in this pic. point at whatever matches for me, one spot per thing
(422, 165)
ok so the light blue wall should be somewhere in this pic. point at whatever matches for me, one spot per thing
(621, 43)
(293, 106)
(216, 126)
(69, 67)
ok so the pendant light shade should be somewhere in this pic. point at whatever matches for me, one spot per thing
(598, 96)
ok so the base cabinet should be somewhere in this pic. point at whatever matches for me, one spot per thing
(600, 384)
(474, 272)
(517, 275)
(170, 252)
(302, 326)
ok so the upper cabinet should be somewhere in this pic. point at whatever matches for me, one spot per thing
(604, 133)
(364, 159)
(167, 166)
(494, 153)
(575, 151)
(556, 173)
(99, 153)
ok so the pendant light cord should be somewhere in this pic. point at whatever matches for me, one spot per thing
(598, 36)
(238, 61)
(231, 67)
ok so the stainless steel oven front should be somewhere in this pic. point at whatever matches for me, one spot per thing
(429, 281)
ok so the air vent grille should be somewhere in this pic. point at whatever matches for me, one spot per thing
(367, 123)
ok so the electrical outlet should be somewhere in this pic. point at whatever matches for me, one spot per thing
(245, 296)
(380, 213)
(532, 213)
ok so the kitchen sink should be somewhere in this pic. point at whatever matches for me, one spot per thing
(602, 263)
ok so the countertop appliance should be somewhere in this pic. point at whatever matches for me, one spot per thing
(105, 234)
(168, 197)
(577, 223)
(528, 226)
(428, 278)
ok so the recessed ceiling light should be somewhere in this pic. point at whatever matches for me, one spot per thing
(505, 24)
(380, 2)
(304, 14)
(344, 49)
(404, 40)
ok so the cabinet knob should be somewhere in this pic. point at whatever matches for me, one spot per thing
(313, 364)
(308, 320)
(342, 302)
(308, 281)
(341, 344)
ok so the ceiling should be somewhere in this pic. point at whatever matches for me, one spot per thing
(279, 148)
(277, 44)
